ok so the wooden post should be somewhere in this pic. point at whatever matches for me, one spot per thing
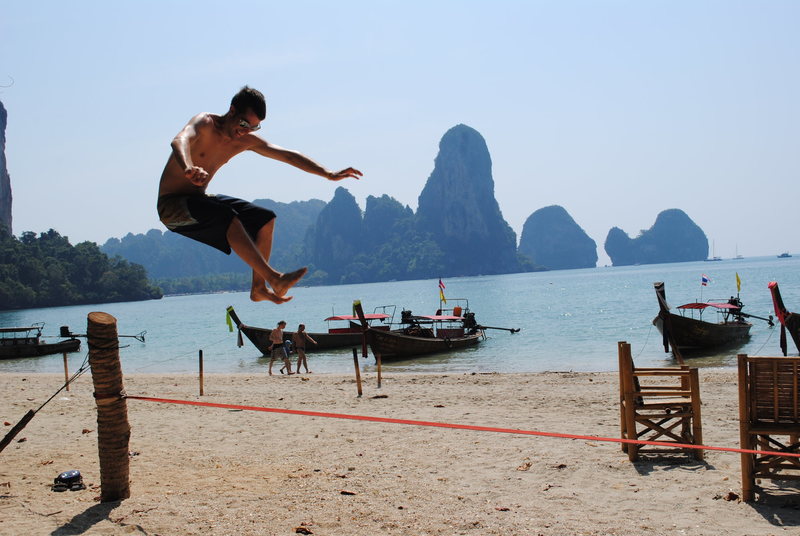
(623, 364)
(66, 371)
(378, 361)
(697, 425)
(358, 372)
(745, 438)
(201, 373)
(113, 430)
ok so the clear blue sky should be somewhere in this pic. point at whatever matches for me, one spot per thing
(615, 110)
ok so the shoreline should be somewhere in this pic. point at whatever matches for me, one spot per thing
(198, 470)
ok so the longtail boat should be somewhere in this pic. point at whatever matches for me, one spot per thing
(695, 335)
(351, 335)
(425, 334)
(27, 342)
(789, 321)
(445, 331)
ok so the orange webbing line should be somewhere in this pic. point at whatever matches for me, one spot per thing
(460, 426)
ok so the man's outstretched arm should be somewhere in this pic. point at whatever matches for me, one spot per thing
(300, 161)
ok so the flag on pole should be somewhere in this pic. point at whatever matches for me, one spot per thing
(704, 280)
(738, 283)
(441, 291)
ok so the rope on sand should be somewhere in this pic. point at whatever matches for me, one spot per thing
(23, 422)
(460, 426)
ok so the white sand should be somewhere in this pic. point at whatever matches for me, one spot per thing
(215, 471)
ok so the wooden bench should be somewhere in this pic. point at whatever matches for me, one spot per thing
(769, 418)
(658, 404)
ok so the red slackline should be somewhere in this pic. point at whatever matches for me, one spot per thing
(461, 426)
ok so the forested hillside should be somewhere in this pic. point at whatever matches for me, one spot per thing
(48, 271)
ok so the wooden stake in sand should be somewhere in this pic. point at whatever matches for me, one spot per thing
(66, 371)
(113, 430)
(358, 371)
(378, 362)
(201, 372)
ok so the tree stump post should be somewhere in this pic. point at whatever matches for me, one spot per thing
(113, 430)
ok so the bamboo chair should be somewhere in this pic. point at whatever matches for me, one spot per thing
(769, 406)
(658, 404)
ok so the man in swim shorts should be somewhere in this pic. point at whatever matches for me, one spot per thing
(199, 150)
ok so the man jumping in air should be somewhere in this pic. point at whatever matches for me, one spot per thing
(203, 146)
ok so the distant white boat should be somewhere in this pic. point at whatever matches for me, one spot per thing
(713, 256)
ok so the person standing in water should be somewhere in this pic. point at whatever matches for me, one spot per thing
(199, 150)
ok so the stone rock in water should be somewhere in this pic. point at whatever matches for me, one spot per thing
(674, 237)
(551, 238)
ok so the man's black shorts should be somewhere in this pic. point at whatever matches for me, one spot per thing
(206, 218)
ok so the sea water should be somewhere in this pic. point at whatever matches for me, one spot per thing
(568, 320)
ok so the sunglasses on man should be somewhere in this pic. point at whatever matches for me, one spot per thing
(244, 124)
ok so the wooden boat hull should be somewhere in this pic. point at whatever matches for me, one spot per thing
(789, 321)
(10, 350)
(692, 335)
(792, 323)
(392, 345)
(325, 341)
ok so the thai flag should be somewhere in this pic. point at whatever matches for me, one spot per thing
(441, 291)
(704, 280)
(441, 285)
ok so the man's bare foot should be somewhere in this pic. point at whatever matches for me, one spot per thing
(265, 294)
(287, 281)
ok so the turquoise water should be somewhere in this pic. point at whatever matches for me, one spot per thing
(569, 320)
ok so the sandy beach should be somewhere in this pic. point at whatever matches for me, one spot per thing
(200, 470)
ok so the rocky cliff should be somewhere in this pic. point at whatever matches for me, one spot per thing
(5, 180)
(334, 240)
(384, 219)
(674, 237)
(551, 238)
(458, 207)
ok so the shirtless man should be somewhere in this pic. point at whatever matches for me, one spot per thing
(203, 146)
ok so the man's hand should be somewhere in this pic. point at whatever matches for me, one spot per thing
(345, 173)
(196, 175)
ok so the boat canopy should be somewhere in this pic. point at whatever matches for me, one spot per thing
(440, 317)
(697, 305)
(19, 330)
(371, 316)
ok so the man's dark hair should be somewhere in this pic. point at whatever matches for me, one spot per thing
(252, 99)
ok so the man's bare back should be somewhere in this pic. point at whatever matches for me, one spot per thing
(199, 150)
